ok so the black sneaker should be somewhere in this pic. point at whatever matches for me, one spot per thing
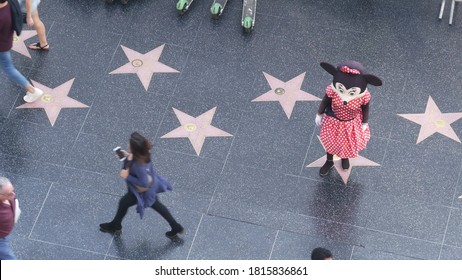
(345, 163)
(326, 168)
(174, 233)
(109, 227)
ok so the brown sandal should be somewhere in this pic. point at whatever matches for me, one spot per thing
(37, 46)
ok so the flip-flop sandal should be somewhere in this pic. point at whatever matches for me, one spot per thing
(37, 46)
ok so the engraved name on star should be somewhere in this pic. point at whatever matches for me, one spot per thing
(286, 93)
(144, 65)
(344, 174)
(18, 42)
(433, 121)
(196, 128)
(53, 100)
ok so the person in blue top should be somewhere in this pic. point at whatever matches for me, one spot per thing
(143, 185)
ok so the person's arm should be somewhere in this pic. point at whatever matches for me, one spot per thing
(365, 110)
(326, 101)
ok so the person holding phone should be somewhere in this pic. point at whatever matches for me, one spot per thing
(143, 186)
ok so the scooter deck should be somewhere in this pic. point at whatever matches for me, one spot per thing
(249, 9)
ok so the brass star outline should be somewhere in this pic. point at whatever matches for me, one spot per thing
(54, 100)
(144, 65)
(18, 42)
(433, 121)
(286, 93)
(344, 174)
(196, 129)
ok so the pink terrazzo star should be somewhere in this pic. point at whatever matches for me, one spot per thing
(433, 121)
(286, 93)
(18, 42)
(196, 128)
(144, 65)
(53, 100)
(344, 174)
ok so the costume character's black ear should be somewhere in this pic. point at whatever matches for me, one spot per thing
(373, 80)
(329, 68)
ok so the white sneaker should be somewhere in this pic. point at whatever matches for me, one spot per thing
(31, 97)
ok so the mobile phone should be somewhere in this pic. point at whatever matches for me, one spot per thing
(119, 153)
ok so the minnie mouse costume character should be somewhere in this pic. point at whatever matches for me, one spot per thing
(344, 111)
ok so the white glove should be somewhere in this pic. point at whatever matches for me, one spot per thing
(318, 120)
(364, 126)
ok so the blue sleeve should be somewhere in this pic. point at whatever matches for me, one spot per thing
(138, 175)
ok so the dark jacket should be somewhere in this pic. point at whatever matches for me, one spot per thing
(16, 16)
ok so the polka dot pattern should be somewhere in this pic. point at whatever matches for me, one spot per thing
(345, 138)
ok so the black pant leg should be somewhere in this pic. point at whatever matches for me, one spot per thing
(163, 211)
(127, 201)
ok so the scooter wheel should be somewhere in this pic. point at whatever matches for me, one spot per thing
(247, 24)
(182, 6)
(216, 10)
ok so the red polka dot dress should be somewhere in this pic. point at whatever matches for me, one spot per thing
(345, 138)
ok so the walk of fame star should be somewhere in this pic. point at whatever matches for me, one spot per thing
(53, 100)
(144, 65)
(18, 42)
(344, 174)
(196, 128)
(433, 121)
(286, 93)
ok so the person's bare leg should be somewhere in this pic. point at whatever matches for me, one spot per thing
(40, 28)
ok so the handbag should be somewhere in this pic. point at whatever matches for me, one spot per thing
(160, 183)
(17, 210)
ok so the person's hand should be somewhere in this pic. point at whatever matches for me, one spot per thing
(364, 126)
(124, 173)
(318, 120)
(129, 156)
(30, 21)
